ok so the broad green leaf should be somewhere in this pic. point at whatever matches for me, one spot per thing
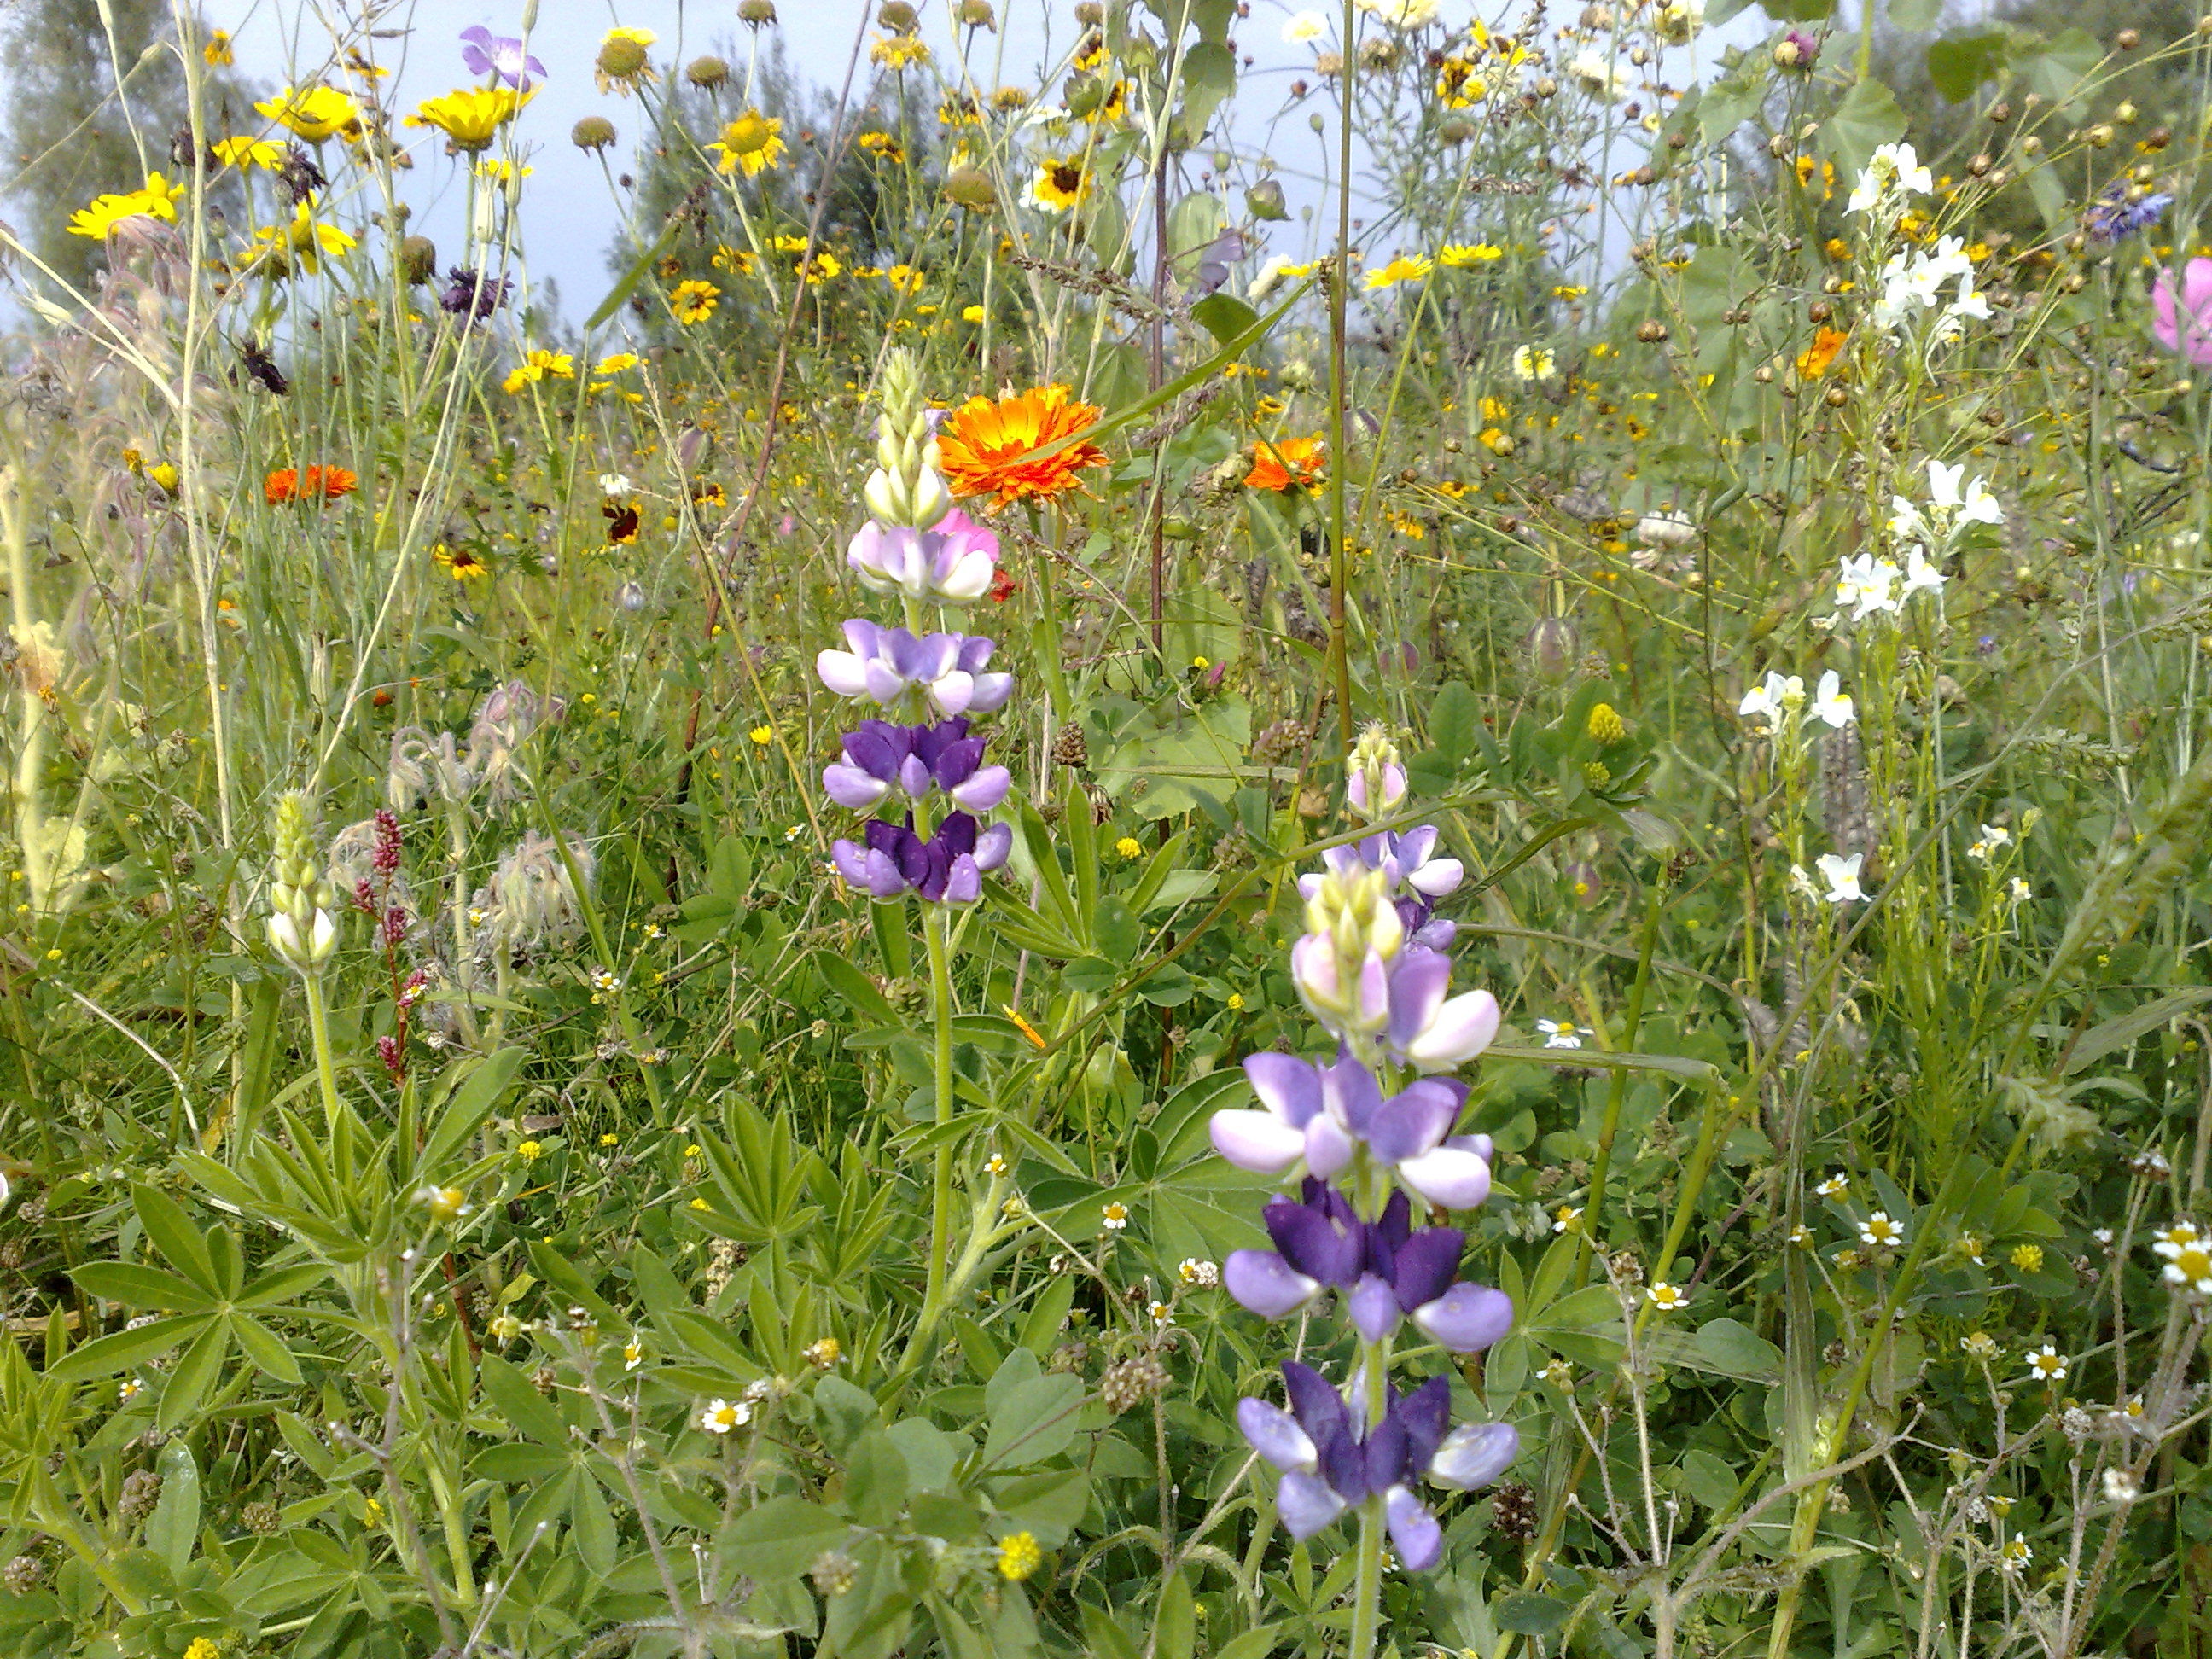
(471, 1104)
(106, 1355)
(779, 1538)
(1868, 117)
(1529, 1614)
(281, 1285)
(875, 1479)
(265, 1348)
(196, 1369)
(855, 986)
(1916, 15)
(1958, 64)
(174, 1526)
(1047, 1505)
(523, 1407)
(173, 1234)
(1037, 1421)
(1223, 315)
(135, 1286)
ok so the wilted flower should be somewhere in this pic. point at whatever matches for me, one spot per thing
(472, 296)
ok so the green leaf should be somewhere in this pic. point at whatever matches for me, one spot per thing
(517, 1461)
(779, 1540)
(2117, 1033)
(1175, 1621)
(470, 1105)
(281, 1285)
(174, 1526)
(1105, 1639)
(106, 1355)
(1455, 720)
(1584, 1326)
(1733, 1349)
(140, 1287)
(195, 1371)
(1224, 316)
(2060, 69)
(1047, 1505)
(1530, 1615)
(876, 1481)
(1916, 16)
(173, 1234)
(1209, 75)
(855, 986)
(843, 1412)
(1958, 64)
(1868, 117)
(265, 1348)
(1255, 1643)
(1038, 1421)
(523, 1407)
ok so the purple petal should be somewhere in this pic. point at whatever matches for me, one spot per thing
(1426, 1264)
(1417, 991)
(990, 693)
(1416, 1120)
(965, 885)
(843, 672)
(1319, 1409)
(1373, 1307)
(984, 791)
(851, 861)
(1259, 1141)
(1475, 1454)
(1451, 1178)
(1382, 1460)
(958, 833)
(876, 748)
(848, 786)
(954, 693)
(1309, 1243)
(1437, 877)
(1467, 1318)
(1426, 1413)
(1328, 1149)
(914, 776)
(1306, 1503)
(992, 848)
(1414, 847)
(1263, 1282)
(1275, 1435)
(1420, 1540)
(1351, 1093)
(885, 879)
(1286, 1085)
(1461, 1029)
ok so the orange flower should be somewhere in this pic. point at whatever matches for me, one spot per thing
(984, 447)
(1813, 361)
(287, 485)
(1279, 464)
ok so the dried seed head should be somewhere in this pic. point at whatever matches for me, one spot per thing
(1129, 1384)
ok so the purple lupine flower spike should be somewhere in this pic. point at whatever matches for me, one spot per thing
(486, 53)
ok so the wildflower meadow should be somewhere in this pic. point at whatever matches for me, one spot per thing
(1139, 828)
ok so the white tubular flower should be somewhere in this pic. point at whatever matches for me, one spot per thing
(1922, 574)
(1776, 701)
(1892, 172)
(1830, 704)
(1842, 876)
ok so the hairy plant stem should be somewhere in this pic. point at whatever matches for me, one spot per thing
(940, 1204)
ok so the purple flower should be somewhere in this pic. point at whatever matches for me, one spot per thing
(486, 53)
(952, 562)
(2112, 216)
(472, 295)
(879, 757)
(1331, 1462)
(890, 861)
(886, 663)
(1389, 1269)
(1316, 1113)
(1407, 860)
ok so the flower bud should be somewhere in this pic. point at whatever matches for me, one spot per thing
(1377, 780)
(757, 14)
(1265, 200)
(971, 188)
(418, 260)
(977, 15)
(709, 72)
(593, 132)
(620, 58)
(1554, 649)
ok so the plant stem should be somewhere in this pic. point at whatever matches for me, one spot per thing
(1340, 393)
(1367, 1583)
(1617, 1092)
(318, 1028)
(940, 1203)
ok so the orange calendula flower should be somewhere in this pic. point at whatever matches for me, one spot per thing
(1812, 362)
(325, 483)
(1279, 463)
(986, 449)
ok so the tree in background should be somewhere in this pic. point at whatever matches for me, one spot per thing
(69, 136)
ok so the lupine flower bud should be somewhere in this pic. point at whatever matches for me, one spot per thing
(1377, 780)
(300, 930)
(905, 490)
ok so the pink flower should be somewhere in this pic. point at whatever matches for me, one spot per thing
(2195, 342)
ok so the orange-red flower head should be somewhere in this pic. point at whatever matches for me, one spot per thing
(983, 447)
(328, 483)
(1279, 463)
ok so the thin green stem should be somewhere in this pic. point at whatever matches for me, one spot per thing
(1367, 1582)
(318, 1027)
(1616, 1092)
(940, 1203)
(1339, 391)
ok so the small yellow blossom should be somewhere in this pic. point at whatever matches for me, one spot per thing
(1018, 1557)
